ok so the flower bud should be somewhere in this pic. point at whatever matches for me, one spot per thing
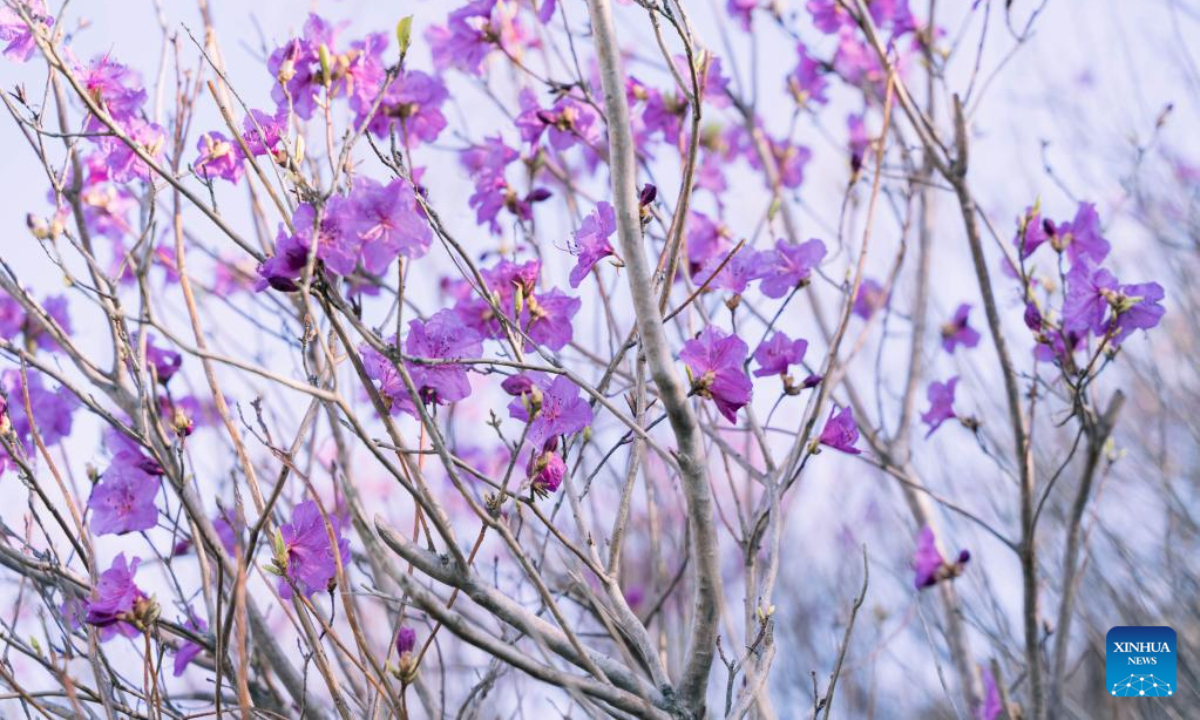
(39, 227)
(145, 612)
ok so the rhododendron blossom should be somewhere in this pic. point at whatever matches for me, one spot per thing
(489, 358)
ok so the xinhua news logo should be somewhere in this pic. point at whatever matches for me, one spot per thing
(1140, 661)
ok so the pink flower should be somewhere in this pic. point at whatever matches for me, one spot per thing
(716, 360)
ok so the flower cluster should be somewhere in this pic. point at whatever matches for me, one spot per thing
(1094, 304)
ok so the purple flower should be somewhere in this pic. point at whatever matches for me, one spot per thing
(1140, 309)
(665, 112)
(741, 10)
(517, 385)
(569, 122)
(226, 533)
(829, 16)
(715, 360)
(115, 600)
(389, 223)
(296, 66)
(406, 640)
(309, 560)
(115, 87)
(992, 704)
(504, 279)
(264, 134)
(546, 469)
(189, 650)
(338, 245)
(413, 105)
(706, 239)
(124, 164)
(791, 267)
(743, 268)
(1082, 236)
(560, 410)
(442, 337)
(472, 32)
(714, 86)
(529, 122)
(1031, 233)
(870, 298)
(17, 34)
(859, 140)
(929, 565)
(807, 82)
(840, 431)
(790, 159)
(218, 157)
(547, 319)
(166, 362)
(360, 72)
(487, 163)
(776, 355)
(855, 62)
(14, 321)
(958, 332)
(123, 500)
(52, 411)
(387, 379)
(284, 268)
(591, 241)
(941, 404)
(1086, 301)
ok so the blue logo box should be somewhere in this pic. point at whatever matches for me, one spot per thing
(1140, 661)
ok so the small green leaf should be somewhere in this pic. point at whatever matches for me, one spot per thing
(404, 34)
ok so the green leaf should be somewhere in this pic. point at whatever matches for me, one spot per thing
(404, 34)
